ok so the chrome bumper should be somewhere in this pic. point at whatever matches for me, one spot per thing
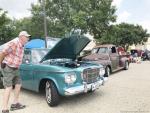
(84, 88)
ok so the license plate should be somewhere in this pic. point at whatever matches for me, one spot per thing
(85, 88)
(95, 86)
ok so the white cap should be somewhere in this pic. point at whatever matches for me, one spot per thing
(24, 33)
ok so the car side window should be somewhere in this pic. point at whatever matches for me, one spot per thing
(26, 57)
(37, 55)
(113, 50)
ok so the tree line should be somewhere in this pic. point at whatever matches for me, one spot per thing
(64, 16)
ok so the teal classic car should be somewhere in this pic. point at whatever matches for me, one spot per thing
(57, 71)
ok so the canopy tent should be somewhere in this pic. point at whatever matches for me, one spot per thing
(39, 43)
(35, 43)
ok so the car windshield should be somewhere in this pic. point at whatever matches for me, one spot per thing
(51, 42)
(94, 50)
(38, 54)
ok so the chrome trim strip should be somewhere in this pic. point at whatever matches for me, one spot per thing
(83, 88)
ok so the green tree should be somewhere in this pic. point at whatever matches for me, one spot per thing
(28, 24)
(22, 24)
(37, 21)
(125, 34)
(63, 16)
(6, 28)
(55, 28)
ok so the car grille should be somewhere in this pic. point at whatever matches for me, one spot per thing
(90, 75)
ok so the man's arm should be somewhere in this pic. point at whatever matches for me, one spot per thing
(2, 56)
(11, 47)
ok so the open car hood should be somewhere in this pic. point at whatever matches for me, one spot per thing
(69, 48)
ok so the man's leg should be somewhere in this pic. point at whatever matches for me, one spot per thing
(16, 93)
(7, 82)
(6, 96)
(16, 104)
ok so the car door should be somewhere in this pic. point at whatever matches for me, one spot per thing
(114, 57)
(26, 71)
(37, 68)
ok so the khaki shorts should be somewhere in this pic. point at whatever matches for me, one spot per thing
(10, 76)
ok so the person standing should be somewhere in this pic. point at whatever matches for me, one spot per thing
(10, 69)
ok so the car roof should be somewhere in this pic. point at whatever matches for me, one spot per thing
(104, 45)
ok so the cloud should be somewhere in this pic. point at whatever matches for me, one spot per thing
(123, 17)
(147, 2)
(145, 24)
(117, 3)
(17, 8)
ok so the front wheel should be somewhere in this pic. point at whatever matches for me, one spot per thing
(52, 96)
(107, 71)
(126, 67)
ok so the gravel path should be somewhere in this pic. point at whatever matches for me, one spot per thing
(125, 92)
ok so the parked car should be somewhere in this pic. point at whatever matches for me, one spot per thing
(108, 56)
(121, 51)
(145, 55)
(57, 72)
(135, 53)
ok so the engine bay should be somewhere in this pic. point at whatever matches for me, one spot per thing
(66, 63)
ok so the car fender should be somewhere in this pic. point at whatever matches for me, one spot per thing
(123, 60)
(51, 79)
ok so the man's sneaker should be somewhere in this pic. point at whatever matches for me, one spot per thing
(5, 111)
(17, 106)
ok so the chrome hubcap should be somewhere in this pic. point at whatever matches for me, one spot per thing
(126, 65)
(48, 92)
(108, 71)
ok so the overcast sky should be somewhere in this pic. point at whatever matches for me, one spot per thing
(131, 11)
(17, 8)
(134, 11)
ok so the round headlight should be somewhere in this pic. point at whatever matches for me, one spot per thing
(102, 72)
(70, 78)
